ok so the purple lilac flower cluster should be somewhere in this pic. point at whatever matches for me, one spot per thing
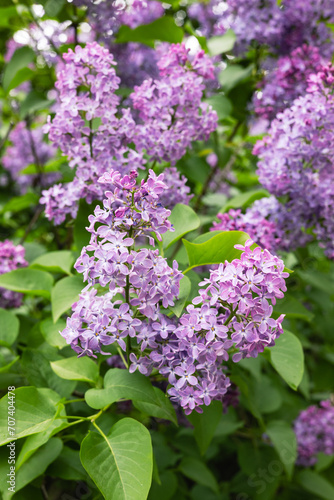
(11, 258)
(27, 147)
(314, 429)
(296, 161)
(268, 222)
(142, 279)
(171, 110)
(234, 310)
(282, 85)
(282, 27)
(178, 191)
(86, 128)
(135, 62)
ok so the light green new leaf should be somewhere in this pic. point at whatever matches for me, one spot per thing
(18, 203)
(120, 463)
(184, 220)
(120, 384)
(205, 424)
(162, 408)
(244, 200)
(222, 105)
(285, 443)
(221, 44)
(64, 294)
(50, 332)
(215, 250)
(55, 262)
(27, 419)
(9, 329)
(20, 60)
(163, 29)
(74, 368)
(287, 357)
(30, 281)
(316, 484)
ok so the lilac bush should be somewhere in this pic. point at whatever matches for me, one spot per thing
(11, 258)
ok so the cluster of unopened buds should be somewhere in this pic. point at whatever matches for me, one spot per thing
(232, 312)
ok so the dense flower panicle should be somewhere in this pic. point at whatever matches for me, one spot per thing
(178, 191)
(171, 111)
(87, 83)
(135, 61)
(287, 81)
(268, 222)
(11, 258)
(233, 311)
(143, 278)
(296, 160)
(27, 147)
(314, 429)
(282, 27)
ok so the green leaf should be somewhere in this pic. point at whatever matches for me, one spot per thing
(185, 287)
(80, 233)
(6, 16)
(74, 368)
(285, 443)
(9, 328)
(221, 44)
(56, 262)
(216, 250)
(222, 105)
(121, 384)
(53, 7)
(313, 482)
(18, 203)
(318, 280)
(64, 294)
(30, 281)
(51, 166)
(233, 75)
(293, 308)
(27, 419)
(184, 220)
(205, 424)
(167, 489)
(68, 466)
(261, 397)
(163, 410)
(287, 358)
(50, 332)
(228, 424)
(33, 250)
(21, 76)
(244, 200)
(120, 463)
(36, 465)
(19, 61)
(163, 29)
(198, 472)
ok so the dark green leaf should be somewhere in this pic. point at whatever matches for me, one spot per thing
(120, 463)
(64, 294)
(50, 332)
(205, 424)
(163, 29)
(198, 472)
(316, 484)
(30, 281)
(287, 358)
(162, 408)
(285, 443)
(56, 262)
(185, 287)
(9, 328)
(74, 368)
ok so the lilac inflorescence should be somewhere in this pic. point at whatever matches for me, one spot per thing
(296, 161)
(171, 109)
(287, 81)
(27, 147)
(314, 429)
(11, 258)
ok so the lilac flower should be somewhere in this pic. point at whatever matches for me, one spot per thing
(27, 147)
(11, 258)
(314, 429)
